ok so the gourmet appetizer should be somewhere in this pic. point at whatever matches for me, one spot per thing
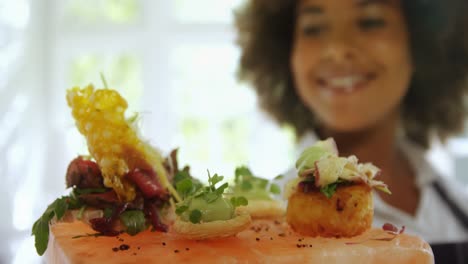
(126, 185)
(127, 189)
(331, 197)
(260, 193)
(205, 212)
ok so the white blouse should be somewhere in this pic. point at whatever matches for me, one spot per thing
(433, 221)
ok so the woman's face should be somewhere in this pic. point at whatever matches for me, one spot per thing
(351, 61)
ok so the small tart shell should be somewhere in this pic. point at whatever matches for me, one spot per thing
(214, 229)
(265, 209)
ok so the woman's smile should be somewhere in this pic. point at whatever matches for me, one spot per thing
(341, 83)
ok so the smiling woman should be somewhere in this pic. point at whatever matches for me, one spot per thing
(384, 78)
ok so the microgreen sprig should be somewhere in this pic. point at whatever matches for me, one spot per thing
(103, 79)
(189, 188)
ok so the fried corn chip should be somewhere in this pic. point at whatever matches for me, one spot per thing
(112, 140)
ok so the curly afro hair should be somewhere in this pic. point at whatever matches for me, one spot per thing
(435, 102)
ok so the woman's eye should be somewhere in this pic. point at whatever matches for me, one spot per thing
(313, 31)
(371, 23)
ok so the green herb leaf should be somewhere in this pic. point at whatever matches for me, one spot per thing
(108, 212)
(41, 234)
(80, 213)
(195, 216)
(181, 175)
(180, 209)
(184, 187)
(103, 79)
(275, 189)
(239, 201)
(73, 201)
(210, 197)
(242, 171)
(40, 229)
(329, 190)
(246, 186)
(201, 192)
(88, 235)
(215, 179)
(60, 207)
(221, 188)
(134, 221)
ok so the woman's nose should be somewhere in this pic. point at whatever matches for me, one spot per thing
(340, 47)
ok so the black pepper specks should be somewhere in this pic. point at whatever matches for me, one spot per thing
(303, 245)
(124, 247)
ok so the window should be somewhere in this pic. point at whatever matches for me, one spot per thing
(175, 62)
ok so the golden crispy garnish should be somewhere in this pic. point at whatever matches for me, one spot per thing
(214, 229)
(112, 141)
(347, 213)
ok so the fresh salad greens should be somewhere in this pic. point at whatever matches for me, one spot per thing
(205, 203)
(40, 229)
(134, 221)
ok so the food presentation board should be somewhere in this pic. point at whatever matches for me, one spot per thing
(266, 241)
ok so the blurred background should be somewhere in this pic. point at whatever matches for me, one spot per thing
(173, 60)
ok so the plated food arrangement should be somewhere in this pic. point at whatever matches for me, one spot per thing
(127, 190)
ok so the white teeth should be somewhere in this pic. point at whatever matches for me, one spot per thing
(345, 83)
